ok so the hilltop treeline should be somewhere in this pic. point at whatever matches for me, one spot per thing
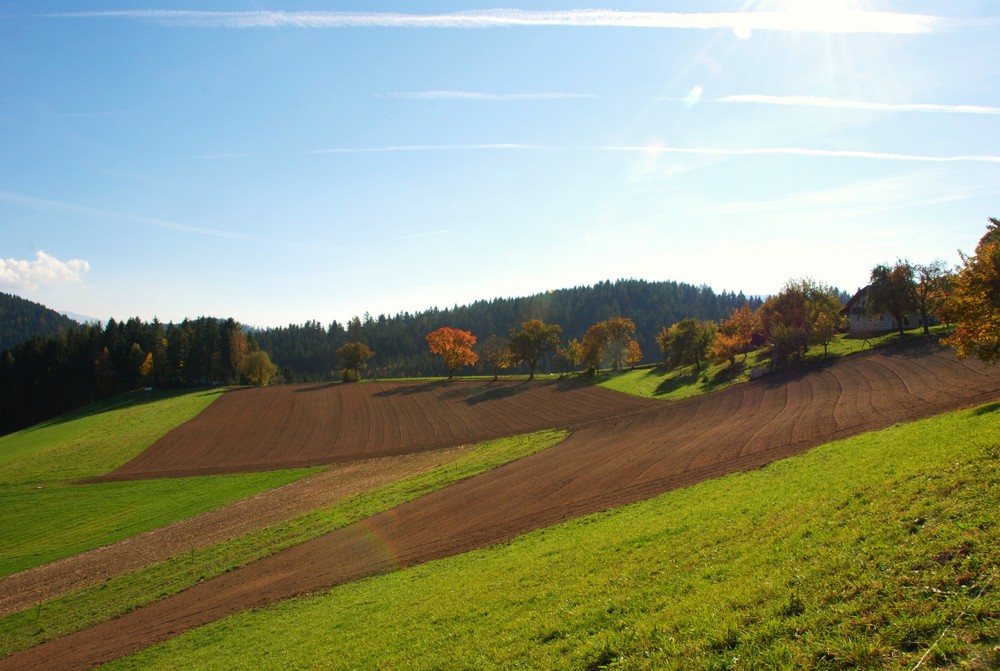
(308, 352)
(21, 320)
(47, 376)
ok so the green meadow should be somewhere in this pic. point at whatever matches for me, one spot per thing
(46, 516)
(117, 596)
(879, 551)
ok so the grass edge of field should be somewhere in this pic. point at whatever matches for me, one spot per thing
(885, 564)
(117, 596)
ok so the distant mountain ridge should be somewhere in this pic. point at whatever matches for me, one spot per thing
(21, 320)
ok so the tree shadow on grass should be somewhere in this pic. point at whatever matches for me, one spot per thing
(987, 409)
(676, 382)
(129, 399)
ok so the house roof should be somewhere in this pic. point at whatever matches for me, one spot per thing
(854, 299)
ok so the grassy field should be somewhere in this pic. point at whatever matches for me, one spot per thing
(685, 381)
(46, 517)
(120, 595)
(880, 551)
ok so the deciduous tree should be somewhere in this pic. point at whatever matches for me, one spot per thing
(804, 312)
(893, 289)
(239, 347)
(931, 287)
(494, 356)
(608, 340)
(571, 356)
(975, 300)
(531, 341)
(454, 346)
(736, 335)
(257, 368)
(146, 367)
(687, 342)
(725, 347)
(633, 354)
(353, 358)
(824, 328)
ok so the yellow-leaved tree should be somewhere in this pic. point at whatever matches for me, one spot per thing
(257, 368)
(974, 303)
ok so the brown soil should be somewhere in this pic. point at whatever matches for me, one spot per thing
(621, 450)
(296, 425)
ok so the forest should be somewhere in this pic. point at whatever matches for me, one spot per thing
(49, 375)
(22, 320)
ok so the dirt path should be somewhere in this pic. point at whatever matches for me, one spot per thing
(607, 462)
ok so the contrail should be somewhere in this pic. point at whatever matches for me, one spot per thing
(816, 21)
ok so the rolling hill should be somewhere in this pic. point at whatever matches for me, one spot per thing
(611, 458)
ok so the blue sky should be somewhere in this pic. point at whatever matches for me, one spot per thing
(279, 162)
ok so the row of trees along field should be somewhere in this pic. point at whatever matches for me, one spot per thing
(309, 351)
(804, 313)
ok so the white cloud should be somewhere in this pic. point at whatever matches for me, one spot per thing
(430, 147)
(473, 95)
(696, 95)
(804, 151)
(652, 151)
(841, 21)
(45, 269)
(840, 103)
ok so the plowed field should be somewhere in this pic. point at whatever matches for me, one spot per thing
(621, 450)
(294, 425)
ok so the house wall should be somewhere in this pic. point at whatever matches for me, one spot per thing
(859, 321)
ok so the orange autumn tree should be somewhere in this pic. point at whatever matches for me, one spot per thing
(974, 303)
(735, 335)
(454, 346)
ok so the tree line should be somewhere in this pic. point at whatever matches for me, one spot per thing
(51, 374)
(615, 324)
(804, 313)
(308, 351)
(46, 376)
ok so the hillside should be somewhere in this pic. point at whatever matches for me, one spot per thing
(878, 552)
(605, 463)
(21, 320)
